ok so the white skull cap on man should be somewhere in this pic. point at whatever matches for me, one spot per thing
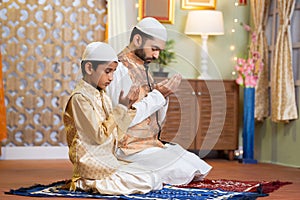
(153, 27)
(99, 51)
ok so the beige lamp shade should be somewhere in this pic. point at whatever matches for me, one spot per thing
(204, 22)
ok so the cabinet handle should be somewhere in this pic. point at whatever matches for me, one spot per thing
(194, 93)
(199, 93)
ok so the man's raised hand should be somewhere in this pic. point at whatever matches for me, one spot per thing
(168, 86)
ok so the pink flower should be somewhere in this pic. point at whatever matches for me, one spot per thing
(250, 61)
(248, 69)
(241, 61)
(237, 68)
(246, 27)
(247, 72)
(251, 81)
(251, 66)
(255, 55)
(254, 37)
(240, 80)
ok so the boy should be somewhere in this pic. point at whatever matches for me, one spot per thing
(93, 129)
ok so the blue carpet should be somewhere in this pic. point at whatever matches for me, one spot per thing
(168, 192)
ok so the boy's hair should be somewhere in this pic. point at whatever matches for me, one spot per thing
(95, 64)
(143, 35)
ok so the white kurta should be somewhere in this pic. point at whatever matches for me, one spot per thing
(174, 164)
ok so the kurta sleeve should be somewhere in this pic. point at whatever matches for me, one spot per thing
(121, 81)
(153, 102)
(88, 122)
(123, 116)
(163, 111)
(146, 107)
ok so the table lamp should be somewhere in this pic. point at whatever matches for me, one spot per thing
(204, 23)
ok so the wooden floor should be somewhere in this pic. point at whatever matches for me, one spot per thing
(22, 173)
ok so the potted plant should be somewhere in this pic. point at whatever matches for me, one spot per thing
(166, 56)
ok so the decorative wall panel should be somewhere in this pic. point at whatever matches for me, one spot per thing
(42, 42)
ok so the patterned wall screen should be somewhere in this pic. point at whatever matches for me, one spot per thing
(42, 42)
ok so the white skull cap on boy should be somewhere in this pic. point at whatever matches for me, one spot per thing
(153, 27)
(99, 51)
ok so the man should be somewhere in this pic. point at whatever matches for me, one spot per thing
(141, 144)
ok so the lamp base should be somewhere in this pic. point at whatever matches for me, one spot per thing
(204, 76)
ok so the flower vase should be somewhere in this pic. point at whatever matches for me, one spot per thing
(248, 129)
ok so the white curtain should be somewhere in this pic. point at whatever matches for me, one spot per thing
(122, 17)
(259, 11)
(283, 105)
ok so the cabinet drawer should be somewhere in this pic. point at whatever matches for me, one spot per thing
(212, 86)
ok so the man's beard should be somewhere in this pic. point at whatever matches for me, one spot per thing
(141, 54)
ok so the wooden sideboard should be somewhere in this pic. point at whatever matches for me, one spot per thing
(203, 115)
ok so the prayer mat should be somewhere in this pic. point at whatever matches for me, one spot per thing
(207, 189)
(265, 187)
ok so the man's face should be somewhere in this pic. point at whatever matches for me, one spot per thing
(150, 50)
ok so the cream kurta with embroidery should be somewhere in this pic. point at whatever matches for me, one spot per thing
(144, 134)
(93, 129)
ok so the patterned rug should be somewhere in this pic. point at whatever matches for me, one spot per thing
(207, 189)
(265, 187)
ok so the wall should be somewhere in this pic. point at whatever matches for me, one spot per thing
(221, 57)
(278, 143)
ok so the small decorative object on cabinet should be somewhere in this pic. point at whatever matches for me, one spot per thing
(203, 116)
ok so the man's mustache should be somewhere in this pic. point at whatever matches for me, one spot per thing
(149, 60)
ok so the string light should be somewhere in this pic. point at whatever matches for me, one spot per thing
(232, 47)
(235, 23)
(137, 8)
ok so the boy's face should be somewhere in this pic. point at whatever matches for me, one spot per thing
(103, 75)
